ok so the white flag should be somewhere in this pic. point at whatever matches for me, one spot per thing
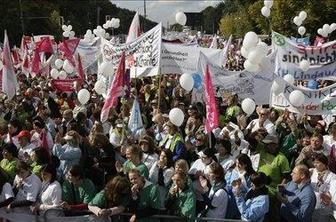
(9, 81)
(135, 124)
(134, 29)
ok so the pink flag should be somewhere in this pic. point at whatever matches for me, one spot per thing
(26, 63)
(211, 121)
(134, 29)
(35, 66)
(9, 81)
(45, 45)
(116, 90)
(80, 70)
(68, 47)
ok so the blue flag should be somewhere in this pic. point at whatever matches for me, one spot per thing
(135, 125)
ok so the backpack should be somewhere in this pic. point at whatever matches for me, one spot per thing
(232, 211)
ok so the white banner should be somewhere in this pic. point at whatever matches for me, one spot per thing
(89, 51)
(143, 52)
(245, 84)
(322, 58)
(181, 59)
(317, 102)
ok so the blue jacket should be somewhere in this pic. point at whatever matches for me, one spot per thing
(253, 209)
(301, 202)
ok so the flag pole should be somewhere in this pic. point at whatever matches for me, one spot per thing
(159, 89)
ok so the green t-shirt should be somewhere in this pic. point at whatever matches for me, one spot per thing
(100, 200)
(78, 195)
(149, 197)
(141, 167)
(9, 167)
(36, 169)
(185, 204)
(274, 167)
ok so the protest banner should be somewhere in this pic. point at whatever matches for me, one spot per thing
(144, 51)
(305, 41)
(289, 54)
(89, 51)
(242, 83)
(65, 85)
(317, 102)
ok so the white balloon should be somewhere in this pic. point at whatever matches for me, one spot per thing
(326, 28)
(66, 34)
(95, 31)
(99, 27)
(250, 66)
(297, 21)
(244, 52)
(106, 69)
(277, 87)
(265, 11)
(62, 75)
(268, 3)
(248, 106)
(69, 28)
(332, 27)
(100, 87)
(105, 26)
(250, 40)
(296, 98)
(88, 32)
(301, 30)
(320, 31)
(68, 67)
(64, 28)
(303, 15)
(181, 18)
(83, 96)
(59, 63)
(176, 116)
(289, 78)
(254, 56)
(187, 82)
(54, 73)
(72, 34)
(304, 65)
(107, 35)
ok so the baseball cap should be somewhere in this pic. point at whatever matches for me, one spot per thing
(24, 133)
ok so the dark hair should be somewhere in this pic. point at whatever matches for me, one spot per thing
(218, 170)
(321, 158)
(77, 171)
(260, 179)
(116, 189)
(39, 124)
(50, 168)
(22, 166)
(11, 148)
(42, 156)
(245, 159)
(169, 155)
(226, 144)
(318, 135)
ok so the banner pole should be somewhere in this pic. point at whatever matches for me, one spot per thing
(159, 89)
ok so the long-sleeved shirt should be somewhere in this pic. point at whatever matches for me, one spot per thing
(301, 202)
(253, 209)
(68, 156)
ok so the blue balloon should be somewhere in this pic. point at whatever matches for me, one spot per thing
(312, 84)
(197, 80)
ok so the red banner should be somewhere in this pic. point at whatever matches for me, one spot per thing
(65, 85)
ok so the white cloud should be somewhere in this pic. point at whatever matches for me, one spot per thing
(163, 11)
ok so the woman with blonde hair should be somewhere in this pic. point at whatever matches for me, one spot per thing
(134, 156)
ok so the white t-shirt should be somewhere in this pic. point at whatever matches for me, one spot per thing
(268, 125)
(220, 201)
(51, 195)
(6, 193)
(328, 142)
(26, 149)
(30, 188)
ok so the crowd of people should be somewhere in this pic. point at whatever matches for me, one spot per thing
(56, 154)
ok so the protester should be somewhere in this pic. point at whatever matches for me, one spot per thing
(297, 197)
(9, 162)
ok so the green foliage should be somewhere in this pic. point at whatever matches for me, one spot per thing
(281, 19)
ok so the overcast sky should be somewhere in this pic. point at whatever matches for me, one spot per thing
(163, 11)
